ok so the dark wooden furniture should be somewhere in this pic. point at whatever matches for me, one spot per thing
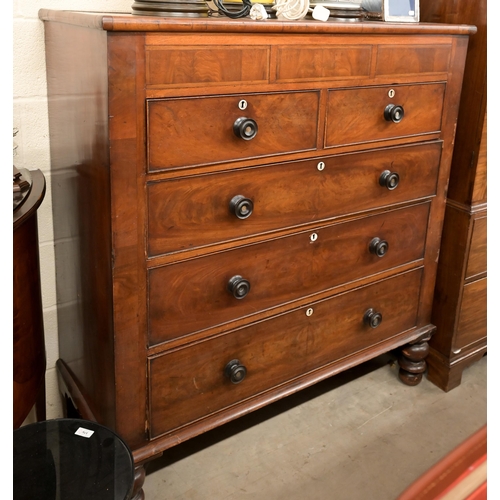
(28, 368)
(255, 213)
(459, 311)
(68, 459)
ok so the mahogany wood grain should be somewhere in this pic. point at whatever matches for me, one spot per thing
(128, 22)
(321, 63)
(446, 372)
(279, 271)
(413, 59)
(479, 194)
(192, 381)
(357, 115)
(477, 259)
(450, 276)
(466, 199)
(301, 59)
(135, 111)
(472, 320)
(186, 213)
(184, 132)
(127, 129)
(453, 89)
(80, 189)
(473, 98)
(179, 66)
(28, 346)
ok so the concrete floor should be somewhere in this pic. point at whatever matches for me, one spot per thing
(361, 435)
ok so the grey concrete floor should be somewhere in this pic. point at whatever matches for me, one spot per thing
(361, 435)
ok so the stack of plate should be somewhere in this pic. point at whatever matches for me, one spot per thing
(170, 8)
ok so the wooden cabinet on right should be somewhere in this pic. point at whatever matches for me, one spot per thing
(459, 310)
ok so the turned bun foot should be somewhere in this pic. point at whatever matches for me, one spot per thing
(139, 478)
(411, 360)
(409, 378)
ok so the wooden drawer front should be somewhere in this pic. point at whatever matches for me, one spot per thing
(200, 66)
(472, 322)
(477, 253)
(357, 115)
(322, 63)
(194, 212)
(412, 59)
(191, 381)
(196, 131)
(279, 271)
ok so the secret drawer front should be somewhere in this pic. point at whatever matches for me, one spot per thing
(201, 210)
(198, 131)
(362, 115)
(198, 380)
(198, 294)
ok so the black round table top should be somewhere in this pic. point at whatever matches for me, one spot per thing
(71, 459)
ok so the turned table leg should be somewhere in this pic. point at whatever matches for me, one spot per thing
(411, 360)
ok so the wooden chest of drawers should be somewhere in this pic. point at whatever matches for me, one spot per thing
(251, 207)
(460, 299)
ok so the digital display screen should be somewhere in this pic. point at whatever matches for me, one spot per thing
(402, 7)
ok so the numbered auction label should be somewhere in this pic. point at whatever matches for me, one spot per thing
(86, 433)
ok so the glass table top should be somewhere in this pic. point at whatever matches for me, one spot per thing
(71, 459)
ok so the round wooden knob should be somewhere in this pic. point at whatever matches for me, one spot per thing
(238, 286)
(235, 371)
(394, 113)
(241, 207)
(378, 247)
(372, 318)
(245, 128)
(389, 179)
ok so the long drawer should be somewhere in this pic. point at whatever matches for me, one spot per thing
(197, 294)
(198, 211)
(192, 379)
(360, 115)
(196, 131)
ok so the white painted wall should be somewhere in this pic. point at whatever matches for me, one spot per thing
(32, 141)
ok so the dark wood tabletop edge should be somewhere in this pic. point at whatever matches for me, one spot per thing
(34, 199)
(130, 22)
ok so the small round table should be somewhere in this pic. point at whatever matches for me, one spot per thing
(71, 459)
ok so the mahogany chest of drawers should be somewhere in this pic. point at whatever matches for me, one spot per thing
(250, 207)
(460, 298)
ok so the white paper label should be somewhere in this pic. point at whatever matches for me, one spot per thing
(86, 433)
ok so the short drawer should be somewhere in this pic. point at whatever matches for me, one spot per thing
(190, 383)
(361, 115)
(198, 211)
(198, 131)
(197, 294)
